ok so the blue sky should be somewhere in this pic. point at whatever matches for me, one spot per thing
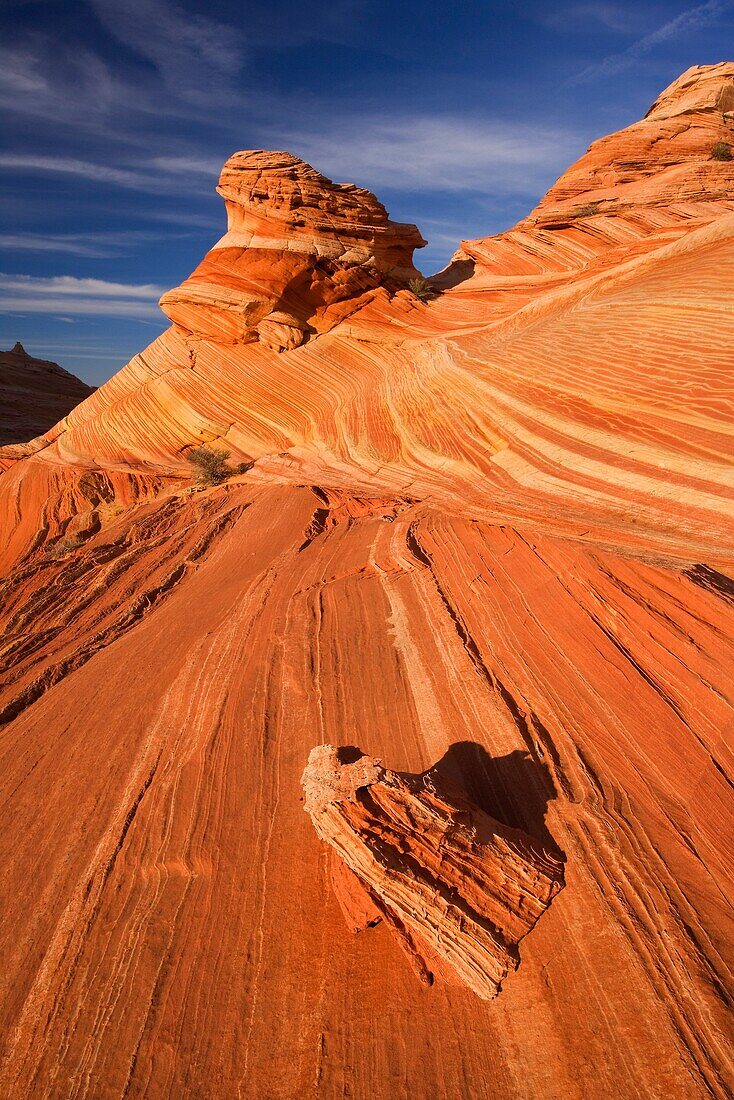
(118, 114)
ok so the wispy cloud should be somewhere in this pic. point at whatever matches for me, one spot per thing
(70, 166)
(66, 294)
(434, 153)
(20, 305)
(687, 21)
(188, 165)
(424, 153)
(70, 85)
(193, 54)
(154, 176)
(95, 246)
(69, 284)
(579, 18)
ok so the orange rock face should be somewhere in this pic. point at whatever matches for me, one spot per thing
(492, 530)
(458, 889)
(300, 253)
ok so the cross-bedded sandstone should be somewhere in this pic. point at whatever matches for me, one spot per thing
(457, 888)
(299, 254)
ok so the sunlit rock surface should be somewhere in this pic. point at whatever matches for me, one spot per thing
(458, 889)
(299, 255)
(493, 528)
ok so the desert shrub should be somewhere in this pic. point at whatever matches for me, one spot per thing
(422, 290)
(721, 151)
(63, 547)
(587, 210)
(210, 465)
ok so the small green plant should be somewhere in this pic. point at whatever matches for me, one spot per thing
(721, 151)
(210, 465)
(422, 290)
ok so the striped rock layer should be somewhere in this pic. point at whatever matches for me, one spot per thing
(458, 889)
(300, 254)
(492, 529)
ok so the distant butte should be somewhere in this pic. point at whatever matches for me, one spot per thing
(491, 526)
(34, 395)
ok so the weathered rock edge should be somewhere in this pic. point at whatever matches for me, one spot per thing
(458, 889)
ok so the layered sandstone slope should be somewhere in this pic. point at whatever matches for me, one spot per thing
(488, 536)
(573, 372)
(34, 395)
(169, 927)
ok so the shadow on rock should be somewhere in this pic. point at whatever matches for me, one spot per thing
(457, 272)
(515, 789)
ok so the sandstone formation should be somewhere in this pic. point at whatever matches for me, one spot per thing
(300, 254)
(34, 395)
(571, 369)
(493, 529)
(458, 889)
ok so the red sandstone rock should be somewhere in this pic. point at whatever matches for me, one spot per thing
(296, 246)
(455, 885)
(495, 528)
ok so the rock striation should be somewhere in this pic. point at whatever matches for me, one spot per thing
(300, 254)
(657, 174)
(458, 889)
(34, 395)
(572, 373)
(494, 530)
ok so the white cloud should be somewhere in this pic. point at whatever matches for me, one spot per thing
(73, 244)
(66, 294)
(91, 306)
(686, 21)
(69, 284)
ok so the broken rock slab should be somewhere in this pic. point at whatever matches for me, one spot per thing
(458, 889)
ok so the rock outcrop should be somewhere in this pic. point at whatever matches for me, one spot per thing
(34, 395)
(495, 530)
(458, 889)
(300, 254)
(658, 175)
